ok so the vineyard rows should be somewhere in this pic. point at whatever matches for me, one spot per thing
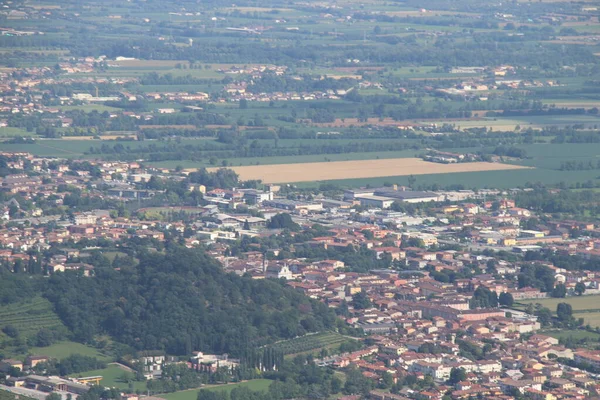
(309, 342)
(28, 317)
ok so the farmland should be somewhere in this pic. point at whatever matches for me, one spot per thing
(309, 343)
(358, 169)
(28, 317)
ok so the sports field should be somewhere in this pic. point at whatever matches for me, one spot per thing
(322, 171)
(114, 376)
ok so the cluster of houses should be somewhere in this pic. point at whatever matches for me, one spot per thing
(417, 322)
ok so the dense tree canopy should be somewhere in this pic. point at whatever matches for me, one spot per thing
(182, 301)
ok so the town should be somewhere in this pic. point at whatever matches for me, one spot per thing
(446, 286)
(299, 200)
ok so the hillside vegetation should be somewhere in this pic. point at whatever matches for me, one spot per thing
(27, 318)
(183, 301)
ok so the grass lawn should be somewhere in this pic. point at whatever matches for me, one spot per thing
(112, 376)
(593, 318)
(7, 131)
(575, 334)
(64, 349)
(255, 385)
(578, 302)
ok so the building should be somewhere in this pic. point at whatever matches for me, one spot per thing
(211, 362)
(293, 205)
(90, 380)
(278, 272)
(589, 357)
(54, 383)
(6, 365)
(256, 196)
(32, 361)
(152, 363)
(85, 219)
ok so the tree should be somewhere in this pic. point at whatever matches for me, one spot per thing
(361, 301)
(529, 309)
(54, 396)
(457, 375)
(560, 291)
(412, 180)
(483, 298)
(261, 310)
(387, 380)
(283, 221)
(544, 316)
(506, 299)
(357, 383)
(11, 331)
(580, 288)
(564, 312)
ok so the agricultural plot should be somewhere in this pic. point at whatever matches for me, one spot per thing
(28, 317)
(307, 172)
(544, 159)
(310, 158)
(510, 123)
(309, 342)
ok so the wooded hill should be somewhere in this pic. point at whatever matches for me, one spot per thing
(179, 302)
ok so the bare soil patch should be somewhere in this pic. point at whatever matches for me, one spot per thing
(323, 171)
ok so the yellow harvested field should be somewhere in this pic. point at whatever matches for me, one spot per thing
(323, 171)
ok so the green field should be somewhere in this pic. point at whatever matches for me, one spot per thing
(535, 122)
(575, 334)
(545, 158)
(290, 159)
(6, 131)
(591, 318)
(469, 180)
(66, 348)
(586, 307)
(29, 317)
(114, 376)
(309, 343)
(53, 148)
(255, 385)
(579, 303)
